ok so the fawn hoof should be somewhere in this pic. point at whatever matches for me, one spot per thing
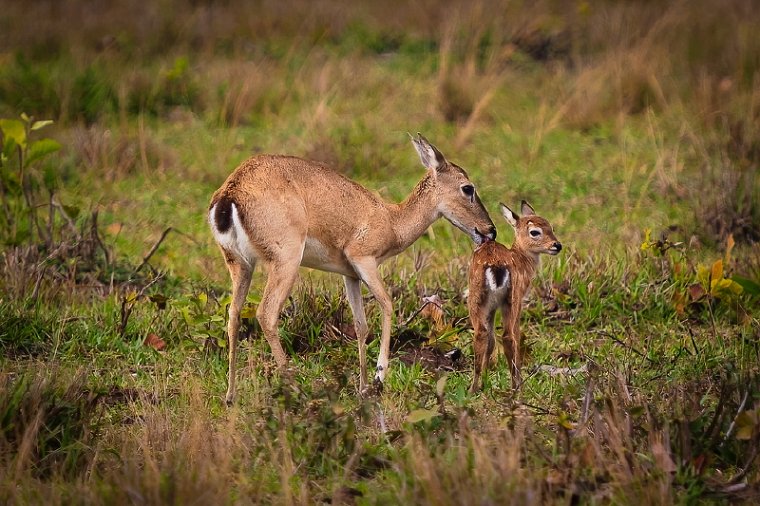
(229, 399)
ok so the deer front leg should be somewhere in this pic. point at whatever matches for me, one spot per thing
(354, 296)
(511, 340)
(366, 268)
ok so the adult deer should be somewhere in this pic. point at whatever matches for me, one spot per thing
(499, 279)
(285, 211)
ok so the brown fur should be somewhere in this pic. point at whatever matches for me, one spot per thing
(297, 212)
(487, 294)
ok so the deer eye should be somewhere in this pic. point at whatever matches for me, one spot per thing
(468, 190)
(535, 232)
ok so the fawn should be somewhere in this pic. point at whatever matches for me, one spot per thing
(284, 212)
(499, 279)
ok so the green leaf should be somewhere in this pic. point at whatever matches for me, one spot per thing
(9, 147)
(716, 272)
(41, 124)
(248, 311)
(725, 288)
(746, 423)
(49, 178)
(703, 275)
(42, 148)
(745, 433)
(420, 415)
(749, 286)
(564, 421)
(13, 129)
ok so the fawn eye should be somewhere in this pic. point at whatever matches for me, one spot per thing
(535, 232)
(468, 190)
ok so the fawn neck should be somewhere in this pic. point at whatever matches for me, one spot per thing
(530, 259)
(414, 215)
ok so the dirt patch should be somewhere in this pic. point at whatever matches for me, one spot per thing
(433, 359)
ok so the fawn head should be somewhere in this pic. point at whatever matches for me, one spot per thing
(532, 232)
(454, 193)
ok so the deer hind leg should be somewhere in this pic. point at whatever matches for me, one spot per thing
(483, 345)
(354, 296)
(241, 274)
(281, 275)
(511, 341)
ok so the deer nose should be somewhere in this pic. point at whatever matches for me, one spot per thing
(557, 246)
(492, 233)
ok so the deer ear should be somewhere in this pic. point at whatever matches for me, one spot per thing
(429, 155)
(526, 210)
(509, 214)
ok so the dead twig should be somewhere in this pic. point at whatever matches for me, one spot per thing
(739, 477)
(65, 216)
(38, 282)
(155, 247)
(625, 345)
(419, 310)
(96, 238)
(733, 422)
(587, 401)
(128, 303)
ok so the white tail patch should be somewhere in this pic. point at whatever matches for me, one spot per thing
(497, 280)
(234, 240)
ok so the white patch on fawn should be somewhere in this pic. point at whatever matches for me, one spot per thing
(491, 279)
(235, 240)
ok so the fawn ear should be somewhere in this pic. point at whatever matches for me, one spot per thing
(429, 155)
(526, 210)
(509, 214)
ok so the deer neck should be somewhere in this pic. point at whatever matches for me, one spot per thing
(530, 260)
(412, 217)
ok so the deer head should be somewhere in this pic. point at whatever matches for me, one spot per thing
(533, 233)
(455, 195)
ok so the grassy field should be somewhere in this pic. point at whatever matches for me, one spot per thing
(633, 126)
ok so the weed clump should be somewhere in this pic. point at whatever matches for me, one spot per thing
(47, 423)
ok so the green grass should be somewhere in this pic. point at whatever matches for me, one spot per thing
(639, 387)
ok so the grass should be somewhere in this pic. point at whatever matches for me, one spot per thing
(633, 133)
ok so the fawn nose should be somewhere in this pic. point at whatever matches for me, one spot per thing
(557, 246)
(491, 233)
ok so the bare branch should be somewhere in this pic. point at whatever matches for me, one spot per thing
(154, 248)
